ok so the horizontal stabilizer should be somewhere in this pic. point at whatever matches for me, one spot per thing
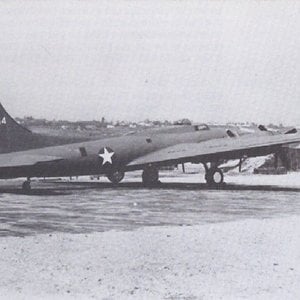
(16, 159)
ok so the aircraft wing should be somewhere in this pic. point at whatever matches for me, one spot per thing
(20, 159)
(226, 148)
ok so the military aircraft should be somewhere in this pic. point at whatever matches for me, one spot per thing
(114, 157)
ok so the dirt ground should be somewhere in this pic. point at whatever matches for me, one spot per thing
(249, 259)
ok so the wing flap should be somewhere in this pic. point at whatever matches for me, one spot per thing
(221, 148)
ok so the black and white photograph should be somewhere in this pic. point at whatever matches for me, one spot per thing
(149, 149)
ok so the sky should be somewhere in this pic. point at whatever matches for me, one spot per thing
(210, 61)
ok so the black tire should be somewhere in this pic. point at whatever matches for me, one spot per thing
(26, 187)
(116, 177)
(214, 177)
(150, 177)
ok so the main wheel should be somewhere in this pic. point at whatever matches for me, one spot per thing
(116, 177)
(26, 187)
(214, 176)
(150, 176)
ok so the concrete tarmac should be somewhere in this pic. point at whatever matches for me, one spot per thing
(92, 206)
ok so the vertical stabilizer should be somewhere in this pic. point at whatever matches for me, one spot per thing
(13, 136)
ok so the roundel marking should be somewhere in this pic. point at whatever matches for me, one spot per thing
(107, 156)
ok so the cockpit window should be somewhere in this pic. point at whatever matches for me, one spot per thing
(201, 127)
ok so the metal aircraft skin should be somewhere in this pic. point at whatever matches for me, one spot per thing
(15, 137)
(115, 156)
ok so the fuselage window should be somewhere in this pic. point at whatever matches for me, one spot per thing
(83, 151)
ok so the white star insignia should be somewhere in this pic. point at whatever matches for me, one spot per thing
(106, 157)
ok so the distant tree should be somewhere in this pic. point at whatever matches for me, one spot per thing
(183, 122)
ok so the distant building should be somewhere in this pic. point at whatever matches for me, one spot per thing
(145, 123)
(91, 127)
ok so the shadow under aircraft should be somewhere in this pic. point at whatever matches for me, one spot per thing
(29, 156)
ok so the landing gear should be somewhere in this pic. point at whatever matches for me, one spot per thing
(116, 177)
(150, 176)
(214, 177)
(284, 158)
(26, 186)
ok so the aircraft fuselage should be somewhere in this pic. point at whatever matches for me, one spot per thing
(103, 156)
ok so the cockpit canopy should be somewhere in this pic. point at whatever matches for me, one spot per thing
(201, 127)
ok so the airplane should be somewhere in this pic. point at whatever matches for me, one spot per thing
(115, 156)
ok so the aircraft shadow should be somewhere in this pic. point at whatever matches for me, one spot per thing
(68, 188)
(187, 186)
(36, 191)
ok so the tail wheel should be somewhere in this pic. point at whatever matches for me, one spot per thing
(150, 176)
(116, 177)
(214, 176)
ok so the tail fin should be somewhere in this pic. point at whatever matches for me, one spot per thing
(13, 136)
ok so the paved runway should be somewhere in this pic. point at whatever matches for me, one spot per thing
(95, 207)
